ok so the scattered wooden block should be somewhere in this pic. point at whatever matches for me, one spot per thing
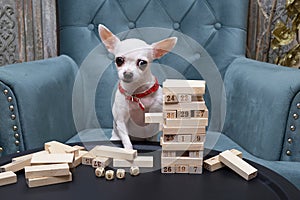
(195, 87)
(212, 164)
(101, 162)
(195, 105)
(114, 152)
(46, 171)
(38, 182)
(87, 159)
(196, 169)
(52, 159)
(55, 147)
(184, 130)
(100, 172)
(120, 173)
(134, 170)
(16, 165)
(140, 161)
(154, 118)
(109, 175)
(194, 122)
(29, 156)
(165, 161)
(238, 165)
(181, 169)
(78, 160)
(7, 178)
(182, 146)
(168, 169)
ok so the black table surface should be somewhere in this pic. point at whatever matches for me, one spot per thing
(152, 184)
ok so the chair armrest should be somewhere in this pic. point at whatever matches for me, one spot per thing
(36, 103)
(260, 97)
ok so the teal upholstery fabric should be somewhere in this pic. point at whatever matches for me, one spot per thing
(260, 94)
(41, 94)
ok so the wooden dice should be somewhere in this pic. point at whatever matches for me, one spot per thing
(134, 171)
(120, 173)
(109, 175)
(100, 172)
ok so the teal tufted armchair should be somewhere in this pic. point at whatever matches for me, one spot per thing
(262, 101)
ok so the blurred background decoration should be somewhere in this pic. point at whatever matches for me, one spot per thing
(274, 32)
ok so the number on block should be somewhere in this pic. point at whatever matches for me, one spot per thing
(182, 169)
(184, 138)
(168, 170)
(170, 138)
(183, 114)
(184, 98)
(195, 169)
(170, 114)
(171, 98)
(197, 113)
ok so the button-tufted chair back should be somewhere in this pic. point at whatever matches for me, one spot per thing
(218, 25)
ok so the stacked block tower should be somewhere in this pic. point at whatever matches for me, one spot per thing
(185, 117)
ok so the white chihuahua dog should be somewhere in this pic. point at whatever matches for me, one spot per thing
(138, 91)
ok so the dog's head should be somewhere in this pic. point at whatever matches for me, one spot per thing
(133, 56)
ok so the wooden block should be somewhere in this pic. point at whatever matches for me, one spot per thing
(52, 159)
(183, 114)
(7, 178)
(78, 160)
(101, 162)
(109, 175)
(197, 105)
(181, 169)
(114, 152)
(29, 156)
(120, 173)
(47, 170)
(182, 146)
(100, 172)
(168, 153)
(168, 169)
(134, 170)
(140, 161)
(181, 161)
(195, 169)
(58, 148)
(170, 138)
(194, 122)
(198, 138)
(167, 130)
(87, 159)
(184, 98)
(196, 154)
(184, 138)
(16, 165)
(80, 148)
(170, 98)
(199, 113)
(170, 114)
(197, 98)
(212, 164)
(154, 118)
(38, 182)
(196, 87)
(238, 165)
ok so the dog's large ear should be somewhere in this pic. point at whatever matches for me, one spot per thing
(163, 47)
(108, 38)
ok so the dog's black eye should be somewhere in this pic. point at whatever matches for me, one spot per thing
(142, 64)
(120, 61)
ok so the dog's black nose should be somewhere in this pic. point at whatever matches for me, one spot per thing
(128, 75)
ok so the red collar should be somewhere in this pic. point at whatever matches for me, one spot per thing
(137, 97)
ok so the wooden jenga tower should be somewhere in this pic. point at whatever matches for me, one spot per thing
(184, 126)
